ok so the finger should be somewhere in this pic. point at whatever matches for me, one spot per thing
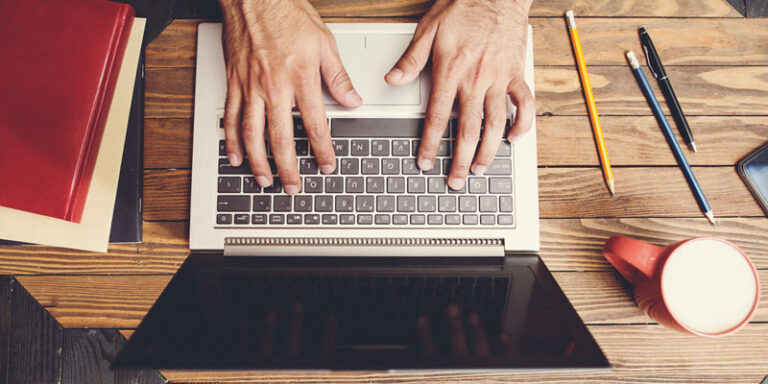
(523, 99)
(268, 334)
(470, 119)
(329, 338)
(232, 115)
(337, 80)
(477, 335)
(309, 99)
(281, 141)
(493, 130)
(456, 326)
(414, 59)
(253, 137)
(293, 341)
(426, 345)
(438, 113)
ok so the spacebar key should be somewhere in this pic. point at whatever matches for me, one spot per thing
(376, 127)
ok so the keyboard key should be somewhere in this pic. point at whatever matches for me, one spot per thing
(308, 166)
(229, 185)
(487, 203)
(500, 185)
(298, 128)
(370, 166)
(447, 203)
(505, 203)
(417, 219)
(242, 218)
(360, 147)
(435, 169)
(347, 219)
(233, 203)
(444, 149)
(399, 219)
(452, 219)
(436, 185)
(258, 219)
(282, 203)
(364, 203)
(302, 203)
(272, 165)
(382, 219)
(334, 185)
(427, 203)
(477, 184)
(344, 204)
(313, 184)
(350, 166)
(222, 147)
(276, 186)
(467, 203)
(302, 147)
(224, 218)
(487, 219)
(435, 219)
(470, 219)
(406, 203)
(262, 203)
(377, 127)
(390, 166)
(500, 167)
(417, 185)
(380, 147)
(250, 185)
(311, 218)
(395, 185)
(401, 148)
(385, 203)
(226, 169)
(506, 220)
(277, 218)
(324, 203)
(294, 218)
(355, 184)
(364, 219)
(341, 147)
(374, 185)
(330, 219)
(410, 167)
(505, 149)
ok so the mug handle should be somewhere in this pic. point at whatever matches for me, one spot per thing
(636, 260)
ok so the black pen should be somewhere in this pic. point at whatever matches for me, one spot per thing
(654, 64)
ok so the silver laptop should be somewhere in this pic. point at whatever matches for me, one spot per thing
(378, 202)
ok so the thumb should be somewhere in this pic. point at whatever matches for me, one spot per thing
(414, 59)
(338, 82)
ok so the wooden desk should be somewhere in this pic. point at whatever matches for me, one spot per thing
(719, 64)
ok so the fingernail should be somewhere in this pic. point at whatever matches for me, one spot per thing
(396, 74)
(353, 97)
(479, 170)
(234, 159)
(456, 184)
(326, 169)
(426, 164)
(291, 189)
(263, 181)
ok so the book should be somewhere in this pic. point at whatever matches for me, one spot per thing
(57, 78)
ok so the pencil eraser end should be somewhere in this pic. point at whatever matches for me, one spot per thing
(571, 20)
(632, 60)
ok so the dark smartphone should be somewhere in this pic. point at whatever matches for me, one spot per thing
(754, 170)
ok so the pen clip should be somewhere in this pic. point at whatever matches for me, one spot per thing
(648, 61)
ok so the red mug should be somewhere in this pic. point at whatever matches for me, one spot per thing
(699, 286)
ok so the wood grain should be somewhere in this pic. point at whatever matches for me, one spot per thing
(122, 301)
(562, 141)
(86, 355)
(692, 42)
(702, 90)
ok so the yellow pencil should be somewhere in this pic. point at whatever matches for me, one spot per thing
(598, 132)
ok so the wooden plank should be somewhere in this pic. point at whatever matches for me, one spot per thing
(563, 193)
(5, 324)
(562, 141)
(566, 245)
(122, 301)
(86, 355)
(756, 8)
(702, 90)
(639, 354)
(693, 42)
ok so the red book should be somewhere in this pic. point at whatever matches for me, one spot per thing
(59, 66)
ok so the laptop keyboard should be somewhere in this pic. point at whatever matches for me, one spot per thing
(376, 183)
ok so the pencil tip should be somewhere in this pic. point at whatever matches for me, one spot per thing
(710, 217)
(693, 146)
(611, 188)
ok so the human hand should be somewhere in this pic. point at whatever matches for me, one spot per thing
(478, 56)
(276, 53)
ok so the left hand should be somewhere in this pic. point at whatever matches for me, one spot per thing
(478, 56)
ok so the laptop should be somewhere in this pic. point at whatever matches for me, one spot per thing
(378, 266)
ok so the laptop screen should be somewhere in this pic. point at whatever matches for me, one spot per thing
(343, 314)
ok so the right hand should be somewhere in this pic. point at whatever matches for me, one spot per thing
(276, 52)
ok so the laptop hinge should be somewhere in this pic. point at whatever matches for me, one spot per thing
(350, 246)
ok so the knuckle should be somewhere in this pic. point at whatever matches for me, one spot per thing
(469, 133)
(340, 79)
(315, 128)
(428, 147)
(279, 140)
(436, 120)
(410, 60)
(461, 166)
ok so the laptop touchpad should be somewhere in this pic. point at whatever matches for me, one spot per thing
(367, 58)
